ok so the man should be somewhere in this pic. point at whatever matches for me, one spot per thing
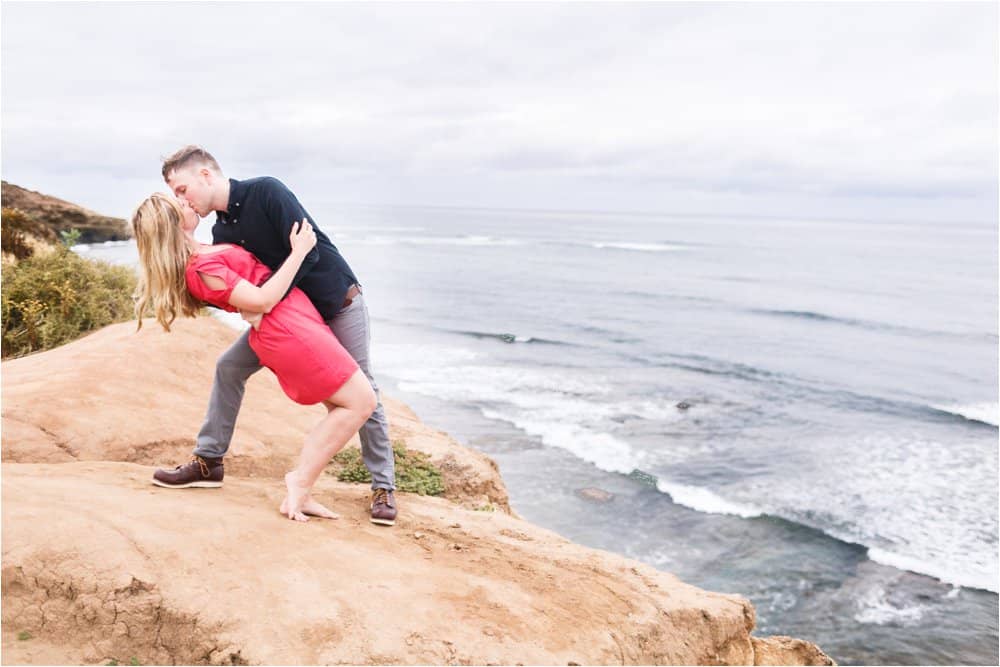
(257, 214)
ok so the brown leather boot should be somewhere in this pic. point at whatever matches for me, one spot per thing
(199, 472)
(383, 507)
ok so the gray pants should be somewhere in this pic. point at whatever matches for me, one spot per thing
(239, 362)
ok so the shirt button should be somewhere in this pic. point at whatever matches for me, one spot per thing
(235, 219)
(242, 241)
(237, 203)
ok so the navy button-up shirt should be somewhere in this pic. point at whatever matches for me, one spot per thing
(259, 217)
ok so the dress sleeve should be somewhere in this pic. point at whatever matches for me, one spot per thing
(213, 266)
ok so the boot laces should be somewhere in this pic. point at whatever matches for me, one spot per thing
(201, 464)
(381, 496)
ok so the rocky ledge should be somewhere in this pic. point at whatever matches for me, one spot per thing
(100, 565)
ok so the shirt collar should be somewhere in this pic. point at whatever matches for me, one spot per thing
(237, 193)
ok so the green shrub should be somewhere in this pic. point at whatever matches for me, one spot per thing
(70, 237)
(414, 471)
(51, 299)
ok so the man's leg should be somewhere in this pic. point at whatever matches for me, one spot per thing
(205, 469)
(351, 327)
(232, 370)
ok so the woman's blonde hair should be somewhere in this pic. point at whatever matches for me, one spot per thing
(163, 256)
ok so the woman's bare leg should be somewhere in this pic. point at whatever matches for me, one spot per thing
(349, 408)
(311, 507)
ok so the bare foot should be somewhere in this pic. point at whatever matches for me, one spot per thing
(312, 508)
(292, 505)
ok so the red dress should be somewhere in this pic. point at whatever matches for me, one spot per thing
(292, 340)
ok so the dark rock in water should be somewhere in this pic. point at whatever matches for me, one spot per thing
(643, 478)
(683, 405)
(591, 493)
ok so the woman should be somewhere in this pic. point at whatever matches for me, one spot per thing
(289, 336)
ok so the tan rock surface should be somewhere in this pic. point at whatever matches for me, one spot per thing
(140, 397)
(779, 650)
(100, 564)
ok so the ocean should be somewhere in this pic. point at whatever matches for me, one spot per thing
(803, 412)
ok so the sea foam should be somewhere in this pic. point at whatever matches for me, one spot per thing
(703, 500)
(875, 608)
(640, 247)
(986, 412)
(950, 575)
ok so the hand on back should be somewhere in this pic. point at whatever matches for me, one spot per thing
(303, 237)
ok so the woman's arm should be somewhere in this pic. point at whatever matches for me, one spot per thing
(249, 297)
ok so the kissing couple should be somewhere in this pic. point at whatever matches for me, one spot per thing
(309, 321)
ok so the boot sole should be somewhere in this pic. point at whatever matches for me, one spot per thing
(189, 485)
(384, 522)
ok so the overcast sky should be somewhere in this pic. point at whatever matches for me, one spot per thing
(870, 111)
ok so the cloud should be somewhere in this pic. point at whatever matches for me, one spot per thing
(654, 103)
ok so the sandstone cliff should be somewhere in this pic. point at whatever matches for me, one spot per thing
(52, 215)
(98, 564)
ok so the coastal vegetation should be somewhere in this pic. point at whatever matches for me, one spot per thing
(414, 471)
(50, 294)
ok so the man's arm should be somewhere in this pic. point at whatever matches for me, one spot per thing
(283, 210)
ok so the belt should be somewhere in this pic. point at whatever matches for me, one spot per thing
(352, 292)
